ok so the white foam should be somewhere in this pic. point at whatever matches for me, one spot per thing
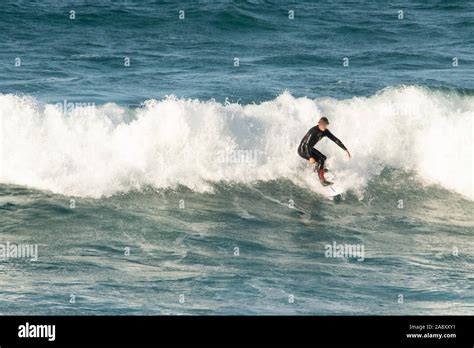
(110, 149)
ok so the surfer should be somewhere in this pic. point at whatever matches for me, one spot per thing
(307, 150)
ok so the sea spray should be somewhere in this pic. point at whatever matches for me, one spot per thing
(170, 142)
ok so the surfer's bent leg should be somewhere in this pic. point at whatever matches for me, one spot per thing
(319, 168)
(320, 158)
(303, 154)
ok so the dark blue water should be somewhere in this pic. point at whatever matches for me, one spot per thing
(197, 203)
(83, 59)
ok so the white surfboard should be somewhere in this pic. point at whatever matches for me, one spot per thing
(333, 191)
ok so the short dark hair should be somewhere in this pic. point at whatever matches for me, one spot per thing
(325, 120)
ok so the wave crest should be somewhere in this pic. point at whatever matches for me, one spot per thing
(107, 149)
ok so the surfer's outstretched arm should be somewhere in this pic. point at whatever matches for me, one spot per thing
(338, 142)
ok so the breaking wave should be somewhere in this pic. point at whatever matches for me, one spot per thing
(104, 150)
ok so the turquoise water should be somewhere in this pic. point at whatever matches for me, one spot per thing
(83, 59)
(173, 186)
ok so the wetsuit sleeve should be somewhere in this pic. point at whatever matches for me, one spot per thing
(307, 142)
(336, 140)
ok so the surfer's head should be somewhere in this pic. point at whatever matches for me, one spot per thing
(323, 123)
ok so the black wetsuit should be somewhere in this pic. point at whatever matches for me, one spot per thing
(307, 150)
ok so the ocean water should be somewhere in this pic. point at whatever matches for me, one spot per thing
(172, 185)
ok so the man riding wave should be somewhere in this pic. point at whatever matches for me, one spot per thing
(306, 148)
